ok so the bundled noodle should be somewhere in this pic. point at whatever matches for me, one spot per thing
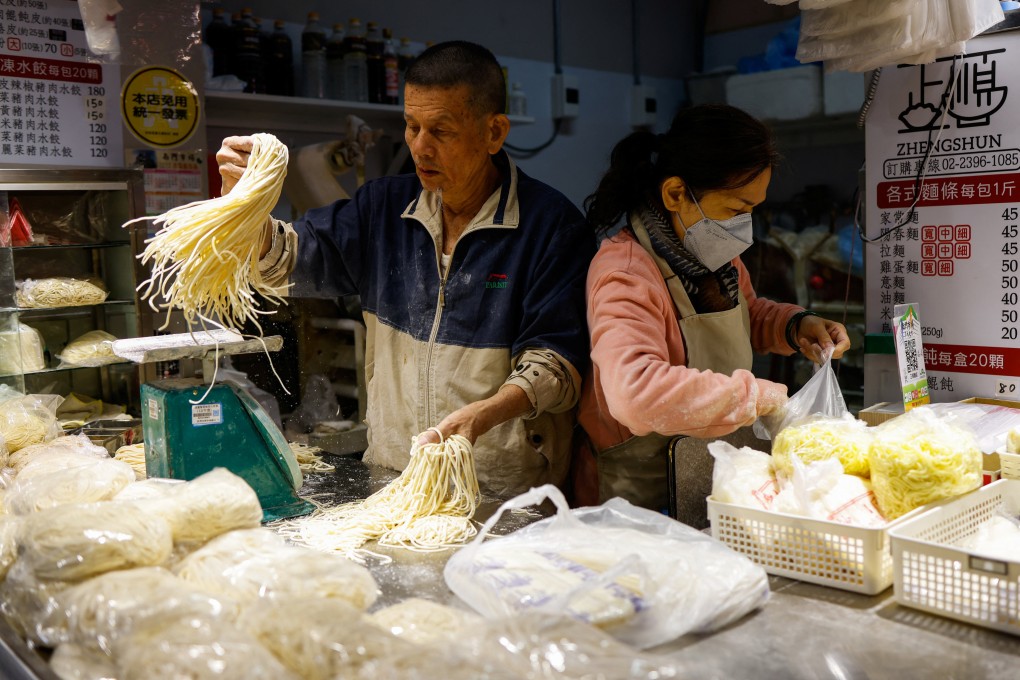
(73, 444)
(205, 257)
(74, 662)
(256, 563)
(207, 506)
(133, 455)
(31, 606)
(25, 421)
(74, 542)
(105, 608)
(98, 480)
(424, 622)
(175, 647)
(8, 543)
(319, 639)
(61, 291)
(819, 438)
(149, 489)
(919, 458)
(308, 458)
(94, 348)
(428, 507)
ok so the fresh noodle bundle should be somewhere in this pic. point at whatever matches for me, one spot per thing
(75, 542)
(77, 444)
(25, 421)
(427, 508)
(75, 662)
(207, 506)
(99, 480)
(106, 607)
(22, 350)
(819, 438)
(919, 458)
(424, 622)
(149, 489)
(174, 646)
(61, 291)
(133, 455)
(8, 543)
(30, 604)
(205, 257)
(94, 348)
(319, 639)
(250, 564)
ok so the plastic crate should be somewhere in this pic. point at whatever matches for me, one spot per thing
(851, 558)
(933, 575)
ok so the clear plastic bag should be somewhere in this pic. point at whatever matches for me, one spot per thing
(820, 395)
(742, 476)
(821, 490)
(821, 437)
(60, 291)
(74, 445)
(98, 480)
(320, 639)
(644, 578)
(30, 605)
(423, 621)
(75, 542)
(249, 564)
(94, 348)
(9, 527)
(27, 420)
(74, 662)
(22, 350)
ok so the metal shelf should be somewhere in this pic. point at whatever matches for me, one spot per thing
(72, 246)
(61, 311)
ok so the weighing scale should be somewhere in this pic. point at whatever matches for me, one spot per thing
(187, 435)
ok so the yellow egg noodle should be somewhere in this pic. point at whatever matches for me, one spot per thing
(918, 458)
(205, 257)
(94, 348)
(25, 421)
(820, 438)
(427, 508)
(61, 291)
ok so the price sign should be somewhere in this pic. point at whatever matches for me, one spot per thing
(951, 241)
(54, 103)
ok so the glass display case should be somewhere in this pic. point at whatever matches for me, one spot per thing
(62, 235)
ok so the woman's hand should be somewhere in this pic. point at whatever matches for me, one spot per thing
(814, 334)
(232, 159)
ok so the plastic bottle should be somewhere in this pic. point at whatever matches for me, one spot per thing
(219, 38)
(313, 58)
(247, 53)
(391, 70)
(355, 63)
(374, 47)
(404, 58)
(263, 54)
(517, 103)
(280, 62)
(335, 64)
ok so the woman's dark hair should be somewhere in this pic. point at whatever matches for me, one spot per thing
(459, 62)
(710, 147)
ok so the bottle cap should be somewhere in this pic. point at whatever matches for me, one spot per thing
(279, 23)
(313, 16)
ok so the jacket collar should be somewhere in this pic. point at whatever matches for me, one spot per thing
(500, 211)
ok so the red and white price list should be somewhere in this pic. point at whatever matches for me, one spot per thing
(951, 243)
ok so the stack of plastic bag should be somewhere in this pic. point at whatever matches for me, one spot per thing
(861, 35)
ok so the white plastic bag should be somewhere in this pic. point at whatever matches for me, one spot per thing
(819, 396)
(821, 490)
(642, 577)
(742, 476)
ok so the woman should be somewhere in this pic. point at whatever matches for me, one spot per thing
(671, 310)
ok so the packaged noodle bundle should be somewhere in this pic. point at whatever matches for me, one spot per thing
(919, 458)
(94, 348)
(820, 438)
(61, 291)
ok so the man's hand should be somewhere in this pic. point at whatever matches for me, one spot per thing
(815, 334)
(475, 419)
(232, 159)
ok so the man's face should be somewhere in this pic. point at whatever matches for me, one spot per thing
(449, 141)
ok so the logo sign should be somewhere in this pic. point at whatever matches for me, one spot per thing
(160, 106)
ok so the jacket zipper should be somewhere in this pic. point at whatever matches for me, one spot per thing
(440, 304)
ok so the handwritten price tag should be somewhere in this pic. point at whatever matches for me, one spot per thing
(1006, 388)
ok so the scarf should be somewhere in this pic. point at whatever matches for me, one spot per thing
(709, 291)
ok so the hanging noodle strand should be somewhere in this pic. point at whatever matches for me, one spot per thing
(426, 509)
(205, 257)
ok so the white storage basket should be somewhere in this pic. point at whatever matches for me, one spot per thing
(815, 550)
(1010, 465)
(934, 575)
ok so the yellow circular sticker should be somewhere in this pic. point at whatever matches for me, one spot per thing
(160, 106)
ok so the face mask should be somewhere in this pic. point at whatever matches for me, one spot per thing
(716, 242)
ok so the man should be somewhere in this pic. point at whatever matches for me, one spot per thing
(471, 276)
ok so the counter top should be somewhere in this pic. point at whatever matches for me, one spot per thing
(805, 632)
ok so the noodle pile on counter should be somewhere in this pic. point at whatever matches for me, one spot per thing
(205, 258)
(308, 458)
(427, 508)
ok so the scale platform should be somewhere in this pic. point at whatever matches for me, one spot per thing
(187, 435)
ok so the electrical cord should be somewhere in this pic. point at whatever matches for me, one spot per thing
(862, 115)
(922, 171)
(524, 152)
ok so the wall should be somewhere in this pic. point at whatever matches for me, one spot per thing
(576, 160)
